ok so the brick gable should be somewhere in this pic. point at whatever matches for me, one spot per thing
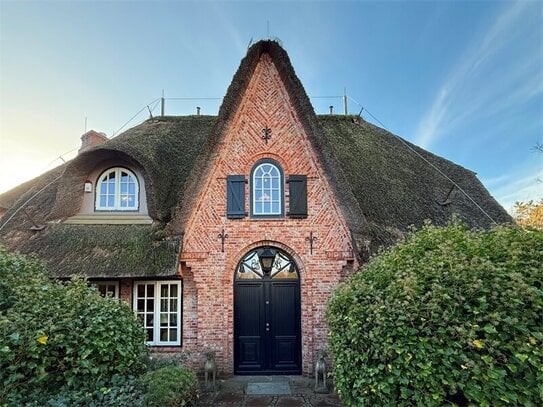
(208, 273)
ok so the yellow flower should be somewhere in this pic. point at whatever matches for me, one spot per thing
(478, 344)
(463, 367)
(42, 339)
(532, 340)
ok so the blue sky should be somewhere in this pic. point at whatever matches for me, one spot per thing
(461, 79)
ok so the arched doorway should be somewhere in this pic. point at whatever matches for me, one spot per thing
(267, 328)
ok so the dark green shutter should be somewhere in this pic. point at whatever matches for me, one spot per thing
(297, 185)
(235, 196)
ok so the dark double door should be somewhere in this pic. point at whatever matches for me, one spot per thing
(267, 326)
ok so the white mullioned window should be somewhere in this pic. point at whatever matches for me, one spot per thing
(267, 191)
(158, 306)
(107, 288)
(117, 189)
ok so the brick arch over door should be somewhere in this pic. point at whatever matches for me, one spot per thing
(267, 313)
(228, 299)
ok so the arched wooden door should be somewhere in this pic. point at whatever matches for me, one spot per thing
(267, 328)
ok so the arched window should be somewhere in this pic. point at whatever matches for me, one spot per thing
(267, 189)
(117, 189)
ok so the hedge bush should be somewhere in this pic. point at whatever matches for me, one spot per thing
(447, 316)
(171, 386)
(57, 335)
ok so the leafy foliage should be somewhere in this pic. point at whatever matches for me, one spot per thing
(171, 386)
(60, 335)
(449, 315)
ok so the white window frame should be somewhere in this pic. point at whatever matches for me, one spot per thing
(279, 178)
(106, 283)
(157, 311)
(117, 199)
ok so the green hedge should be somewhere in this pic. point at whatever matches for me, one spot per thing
(57, 335)
(171, 386)
(448, 316)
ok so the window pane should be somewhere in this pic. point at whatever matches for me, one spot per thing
(163, 290)
(173, 319)
(275, 183)
(141, 306)
(275, 195)
(150, 290)
(258, 207)
(163, 319)
(173, 334)
(173, 305)
(267, 207)
(141, 290)
(164, 334)
(150, 305)
(103, 201)
(149, 335)
(111, 176)
(163, 305)
(275, 207)
(132, 189)
(149, 320)
(173, 290)
(110, 201)
(103, 188)
(124, 188)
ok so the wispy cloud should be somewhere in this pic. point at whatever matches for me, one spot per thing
(511, 188)
(486, 82)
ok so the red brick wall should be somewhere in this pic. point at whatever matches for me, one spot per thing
(208, 280)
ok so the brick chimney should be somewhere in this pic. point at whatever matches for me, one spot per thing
(91, 139)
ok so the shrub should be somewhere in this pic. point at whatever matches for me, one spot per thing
(449, 315)
(60, 335)
(171, 386)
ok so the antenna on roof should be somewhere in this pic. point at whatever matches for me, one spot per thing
(162, 104)
(150, 113)
(250, 43)
(345, 101)
(85, 125)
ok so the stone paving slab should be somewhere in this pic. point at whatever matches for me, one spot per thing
(234, 392)
(271, 388)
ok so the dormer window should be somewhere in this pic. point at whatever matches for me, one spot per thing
(267, 189)
(117, 189)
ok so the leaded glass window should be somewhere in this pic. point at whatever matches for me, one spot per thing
(251, 266)
(267, 190)
(117, 190)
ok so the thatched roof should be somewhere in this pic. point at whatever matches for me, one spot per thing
(381, 184)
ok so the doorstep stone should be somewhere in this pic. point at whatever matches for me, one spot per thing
(270, 388)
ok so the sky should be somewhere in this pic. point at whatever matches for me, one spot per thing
(462, 79)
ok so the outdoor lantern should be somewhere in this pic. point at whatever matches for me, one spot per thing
(266, 259)
(88, 186)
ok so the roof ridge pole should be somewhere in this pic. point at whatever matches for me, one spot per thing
(345, 101)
